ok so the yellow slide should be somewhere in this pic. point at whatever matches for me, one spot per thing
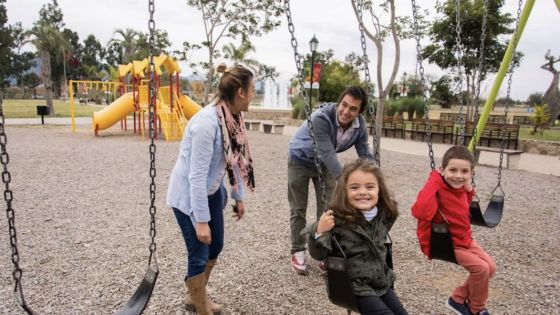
(111, 114)
(189, 106)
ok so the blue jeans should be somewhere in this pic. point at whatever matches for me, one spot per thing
(199, 253)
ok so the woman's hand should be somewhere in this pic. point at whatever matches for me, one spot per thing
(203, 233)
(238, 210)
(326, 222)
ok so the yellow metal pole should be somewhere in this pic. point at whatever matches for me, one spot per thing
(558, 5)
(72, 111)
(504, 66)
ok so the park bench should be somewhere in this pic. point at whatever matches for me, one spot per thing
(512, 156)
(392, 127)
(276, 128)
(522, 120)
(252, 125)
(449, 116)
(440, 130)
(498, 119)
(492, 134)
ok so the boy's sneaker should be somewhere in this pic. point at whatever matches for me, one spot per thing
(298, 263)
(458, 308)
(483, 312)
(322, 266)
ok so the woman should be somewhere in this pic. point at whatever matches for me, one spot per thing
(214, 143)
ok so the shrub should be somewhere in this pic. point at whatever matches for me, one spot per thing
(391, 107)
(297, 106)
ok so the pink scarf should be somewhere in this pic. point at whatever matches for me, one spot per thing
(236, 146)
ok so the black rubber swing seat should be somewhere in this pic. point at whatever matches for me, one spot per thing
(140, 298)
(339, 285)
(493, 214)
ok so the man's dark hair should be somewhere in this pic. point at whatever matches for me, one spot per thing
(358, 93)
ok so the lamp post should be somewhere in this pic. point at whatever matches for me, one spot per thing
(313, 43)
(404, 85)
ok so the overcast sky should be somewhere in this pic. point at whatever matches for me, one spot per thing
(332, 21)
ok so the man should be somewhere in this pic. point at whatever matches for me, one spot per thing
(337, 127)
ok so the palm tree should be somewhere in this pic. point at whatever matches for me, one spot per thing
(239, 55)
(127, 42)
(45, 38)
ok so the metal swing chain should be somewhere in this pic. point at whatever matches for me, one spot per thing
(459, 44)
(10, 214)
(508, 93)
(423, 83)
(479, 72)
(307, 108)
(152, 115)
(370, 107)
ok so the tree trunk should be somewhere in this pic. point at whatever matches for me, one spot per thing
(552, 98)
(46, 78)
(209, 79)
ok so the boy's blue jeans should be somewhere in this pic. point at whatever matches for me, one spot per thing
(199, 253)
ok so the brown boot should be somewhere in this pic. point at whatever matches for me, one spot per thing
(216, 308)
(197, 289)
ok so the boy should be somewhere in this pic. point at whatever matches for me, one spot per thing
(449, 189)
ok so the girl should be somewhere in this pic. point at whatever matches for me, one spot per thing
(214, 144)
(361, 214)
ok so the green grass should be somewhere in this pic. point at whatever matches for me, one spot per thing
(548, 135)
(28, 108)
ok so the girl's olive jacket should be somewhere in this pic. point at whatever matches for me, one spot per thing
(363, 243)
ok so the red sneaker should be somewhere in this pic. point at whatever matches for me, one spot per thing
(298, 263)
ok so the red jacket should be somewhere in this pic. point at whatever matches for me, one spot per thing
(454, 203)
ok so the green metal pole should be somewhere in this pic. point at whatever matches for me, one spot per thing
(558, 5)
(502, 71)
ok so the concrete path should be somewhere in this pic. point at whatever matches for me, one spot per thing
(544, 164)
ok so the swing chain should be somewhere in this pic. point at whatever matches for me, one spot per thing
(152, 148)
(307, 106)
(422, 82)
(459, 44)
(370, 107)
(479, 72)
(508, 93)
(10, 214)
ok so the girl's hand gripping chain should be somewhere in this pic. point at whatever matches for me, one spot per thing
(326, 222)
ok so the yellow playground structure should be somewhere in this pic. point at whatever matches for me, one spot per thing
(173, 109)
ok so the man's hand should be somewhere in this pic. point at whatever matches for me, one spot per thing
(203, 233)
(326, 222)
(238, 210)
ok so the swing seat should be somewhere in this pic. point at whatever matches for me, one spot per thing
(339, 287)
(441, 244)
(493, 214)
(140, 299)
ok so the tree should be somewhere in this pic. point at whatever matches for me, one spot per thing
(540, 119)
(6, 42)
(45, 38)
(21, 61)
(535, 99)
(377, 31)
(238, 55)
(552, 94)
(161, 45)
(441, 92)
(126, 44)
(92, 52)
(335, 77)
(233, 19)
(31, 80)
(443, 47)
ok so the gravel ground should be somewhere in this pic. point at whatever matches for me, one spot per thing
(82, 220)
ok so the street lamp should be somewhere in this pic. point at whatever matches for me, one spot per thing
(404, 85)
(313, 43)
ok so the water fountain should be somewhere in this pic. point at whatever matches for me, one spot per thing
(276, 94)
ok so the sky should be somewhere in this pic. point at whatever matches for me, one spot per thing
(331, 21)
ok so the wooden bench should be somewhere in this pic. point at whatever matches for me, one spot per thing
(449, 116)
(276, 128)
(392, 127)
(522, 120)
(492, 134)
(252, 125)
(440, 130)
(498, 119)
(512, 156)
